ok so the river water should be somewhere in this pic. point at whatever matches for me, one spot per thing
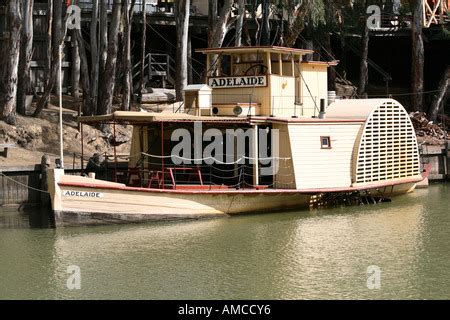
(318, 254)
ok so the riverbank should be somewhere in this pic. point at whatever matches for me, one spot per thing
(34, 137)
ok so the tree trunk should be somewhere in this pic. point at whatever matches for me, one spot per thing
(48, 70)
(212, 19)
(189, 60)
(439, 99)
(127, 77)
(120, 60)
(265, 28)
(26, 52)
(94, 56)
(245, 35)
(417, 57)
(56, 34)
(88, 106)
(182, 22)
(295, 23)
(309, 45)
(219, 31)
(239, 23)
(106, 91)
(222, 25)
(143, 53)
(103, 51)
(329, 16)
(363, 67)
(75, 78)
(54, 72)
(343, 60)
(331, 69)
(13, 12)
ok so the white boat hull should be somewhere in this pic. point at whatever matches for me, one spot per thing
(85, 201)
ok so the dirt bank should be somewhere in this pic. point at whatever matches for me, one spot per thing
(37, 136)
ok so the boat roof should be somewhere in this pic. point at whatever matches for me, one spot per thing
(254, 49)
(322, 63)
(136, 117)
(355, 108)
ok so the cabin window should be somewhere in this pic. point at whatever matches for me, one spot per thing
(325, 142)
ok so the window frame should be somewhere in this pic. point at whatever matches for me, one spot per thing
(324, 146)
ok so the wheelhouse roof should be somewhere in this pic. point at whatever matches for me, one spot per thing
(254, 49)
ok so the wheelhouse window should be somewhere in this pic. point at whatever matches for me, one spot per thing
(325, 142)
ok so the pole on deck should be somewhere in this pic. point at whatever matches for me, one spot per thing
(255, 156)
(82, 148)
(162, 153)
(115, 154)
(61, 147)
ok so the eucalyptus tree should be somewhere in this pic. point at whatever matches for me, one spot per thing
(26, 52)
(300, 15)
(440, 97)
(239, 23)
(222, 24)
(10, 57)
(106, 89)
(57, 33)
(128, 7)
(95, 52)
(143, 45)
(417, 56)
(182, 8)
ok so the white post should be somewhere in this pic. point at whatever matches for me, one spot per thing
(280, 63)
(255, 156)
(61, 155)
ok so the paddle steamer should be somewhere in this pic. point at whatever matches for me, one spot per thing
(259, 135)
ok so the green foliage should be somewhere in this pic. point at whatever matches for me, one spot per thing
(316, 14)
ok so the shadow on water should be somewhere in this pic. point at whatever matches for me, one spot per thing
(25, 217)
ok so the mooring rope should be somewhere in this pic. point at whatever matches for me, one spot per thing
(22, 184)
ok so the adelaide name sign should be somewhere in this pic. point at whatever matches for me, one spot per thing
(237, 82)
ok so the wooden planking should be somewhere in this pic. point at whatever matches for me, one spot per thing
(17, 192)
(316, 167)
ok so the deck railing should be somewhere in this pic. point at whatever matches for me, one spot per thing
(150, 7)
